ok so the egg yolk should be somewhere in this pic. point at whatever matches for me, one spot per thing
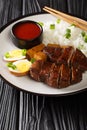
(23, 66)
(15, 53)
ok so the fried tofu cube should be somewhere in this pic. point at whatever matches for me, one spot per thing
(38, 47)
(40, 56)
(30, 53)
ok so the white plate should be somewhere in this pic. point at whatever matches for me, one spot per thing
(25, 83)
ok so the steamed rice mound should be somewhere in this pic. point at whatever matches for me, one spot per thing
(57, 35)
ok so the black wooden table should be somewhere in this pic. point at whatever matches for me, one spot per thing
(24, 111)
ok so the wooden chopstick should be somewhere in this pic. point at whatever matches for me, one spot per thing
(70, 19)
(65, 15)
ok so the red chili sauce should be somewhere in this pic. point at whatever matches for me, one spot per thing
(27, 31)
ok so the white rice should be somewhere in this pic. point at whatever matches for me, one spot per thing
(57, 35)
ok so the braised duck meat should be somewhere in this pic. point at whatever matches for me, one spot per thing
(64, 66)
(79, 60)
(64, 76)
(35, 70)
(45, 71)
(67, 55)
(53, 53)
(57, 76)
(54, 76)
(76, 75)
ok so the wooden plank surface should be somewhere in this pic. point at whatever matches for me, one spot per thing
(24, 111)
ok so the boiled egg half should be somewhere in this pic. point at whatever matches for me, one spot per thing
(20, 67)
(15, 55)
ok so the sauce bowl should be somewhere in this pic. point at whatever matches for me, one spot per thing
(27, 34)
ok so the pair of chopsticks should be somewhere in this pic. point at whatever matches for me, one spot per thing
(70, 19)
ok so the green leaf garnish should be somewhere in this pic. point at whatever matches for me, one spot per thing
(83, 33)
(73, 25)
(24, 52)
(52, 26)
(85, 38)
(58, 21)
(68, 30)
(7, 55)
(11, 65)
(41, 23)
(68, 33)
(32, 60)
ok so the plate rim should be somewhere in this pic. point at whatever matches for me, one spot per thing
(28, 91)
(42, 94)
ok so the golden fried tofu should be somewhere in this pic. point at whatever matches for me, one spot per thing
(40, 56)
(38, 47)
(31, 52)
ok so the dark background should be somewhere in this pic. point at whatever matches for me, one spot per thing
(25, 111)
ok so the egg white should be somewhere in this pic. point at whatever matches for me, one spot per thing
(15, 55)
